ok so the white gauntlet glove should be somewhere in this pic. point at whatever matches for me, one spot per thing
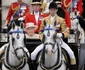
(60, 35)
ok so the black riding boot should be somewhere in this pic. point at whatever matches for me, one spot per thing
(73, 67)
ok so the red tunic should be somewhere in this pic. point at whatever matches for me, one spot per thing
(68, 3)
(30, 17)
(67, 18)
(79, 7)
(14, 7)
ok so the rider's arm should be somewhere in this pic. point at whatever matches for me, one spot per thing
(9, 15)
(64, 29)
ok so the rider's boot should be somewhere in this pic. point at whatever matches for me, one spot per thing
(73, 67)
(73, 64)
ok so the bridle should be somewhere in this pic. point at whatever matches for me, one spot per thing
(18, 48)
(50, 43)
(53, 46)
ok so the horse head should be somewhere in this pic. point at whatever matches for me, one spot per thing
(51, 54)
(74, 21)
(17, 39)
(49, 39)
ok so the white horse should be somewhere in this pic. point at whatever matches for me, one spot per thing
(15, 56)
(51, 57)
(76, 27)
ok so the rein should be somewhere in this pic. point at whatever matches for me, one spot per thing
(10, 67)
(22, 61)
(58, 63)
(16, 53)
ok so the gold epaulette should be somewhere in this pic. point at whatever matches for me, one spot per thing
(15, 7)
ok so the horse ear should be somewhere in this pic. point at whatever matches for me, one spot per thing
(13, 24)
(22, 25)
(44, 23)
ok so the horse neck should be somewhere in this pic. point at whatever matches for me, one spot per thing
(12, 57)
(51, 60)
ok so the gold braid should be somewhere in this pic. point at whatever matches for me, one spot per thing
(67, 4)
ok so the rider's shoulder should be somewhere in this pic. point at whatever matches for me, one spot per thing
(58, 17)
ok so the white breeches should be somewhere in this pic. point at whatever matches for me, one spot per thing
(35, 52)
(63, 45)
(68, 49)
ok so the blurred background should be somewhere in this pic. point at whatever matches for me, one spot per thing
(4, 5)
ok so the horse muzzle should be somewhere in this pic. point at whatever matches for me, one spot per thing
(20, 53)
(49, 51)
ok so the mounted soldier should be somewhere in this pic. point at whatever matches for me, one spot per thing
(16, 10)
(63, 31)
(35, 16)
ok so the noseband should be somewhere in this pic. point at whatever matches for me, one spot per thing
(49, 43)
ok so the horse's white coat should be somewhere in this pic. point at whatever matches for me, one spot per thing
(13, 60)
(50, 57)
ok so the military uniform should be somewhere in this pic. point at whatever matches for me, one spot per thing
(62, 32)
(66, 3)
(62, 12)
(67, 18)
(35, 17)
(78, 6)
(16, 11)
(45, 5)
(59, 21)
(71, 3)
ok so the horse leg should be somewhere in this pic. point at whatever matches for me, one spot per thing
(4, 68)
(26, 67)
